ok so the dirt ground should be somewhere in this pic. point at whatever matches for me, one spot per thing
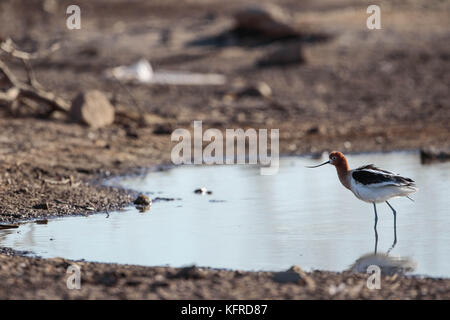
(357, 90)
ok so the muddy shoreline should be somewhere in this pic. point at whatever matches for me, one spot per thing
(357, 91)
(46, 278)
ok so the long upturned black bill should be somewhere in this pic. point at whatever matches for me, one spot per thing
(319, 165)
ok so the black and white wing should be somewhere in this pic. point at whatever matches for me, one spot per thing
(371, 175)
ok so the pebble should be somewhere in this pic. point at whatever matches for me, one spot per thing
(201, 190)
(143, 200)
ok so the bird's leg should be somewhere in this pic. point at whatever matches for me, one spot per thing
(395, 224)
(375, 227)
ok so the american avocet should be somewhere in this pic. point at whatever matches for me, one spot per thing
(371, 184)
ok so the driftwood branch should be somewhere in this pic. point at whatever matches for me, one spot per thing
(10, 95)
(10, 77)
(31, 90)
(9, 47)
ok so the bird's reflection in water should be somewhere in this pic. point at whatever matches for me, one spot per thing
(376, 237)
(389, 265)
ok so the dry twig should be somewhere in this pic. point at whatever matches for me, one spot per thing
(32, 90)
(9, 47)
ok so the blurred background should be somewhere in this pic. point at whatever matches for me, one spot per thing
(311, 68)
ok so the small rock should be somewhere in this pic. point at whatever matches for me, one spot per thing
(92, 108)
(294, 275)
(42, 221)
(143, 200)
(200, 190)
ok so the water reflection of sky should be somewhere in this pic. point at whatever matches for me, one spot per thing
(299, 216)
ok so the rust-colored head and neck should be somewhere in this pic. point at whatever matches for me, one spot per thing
(338, 160)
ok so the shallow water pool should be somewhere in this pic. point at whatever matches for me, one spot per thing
(252, 222)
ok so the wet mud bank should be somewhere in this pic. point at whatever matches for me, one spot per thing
(111, 281)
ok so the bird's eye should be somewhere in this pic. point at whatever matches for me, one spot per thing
(333, 158)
